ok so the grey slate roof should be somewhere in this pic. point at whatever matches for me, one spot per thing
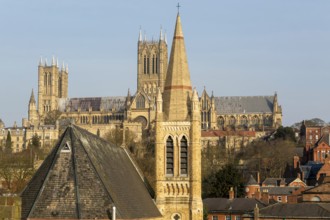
(83, 177)
(223, 205)
(251, 181)
(244, 104)
(284, 190)
(299, 210)
(310, 170)
(97, 103)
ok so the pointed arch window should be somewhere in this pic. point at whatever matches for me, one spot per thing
(140, 102)
(153, 64)
(148, 65)
(157, 64)
(184, 156)
(145, 64)
(169, 156)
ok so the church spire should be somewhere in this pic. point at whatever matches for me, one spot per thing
(32, 99)
(177, 90)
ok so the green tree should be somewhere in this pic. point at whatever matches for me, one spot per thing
(285, 133)
(51, 117)
(219, 183)
(8, 145)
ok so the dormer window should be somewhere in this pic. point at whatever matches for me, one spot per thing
(66, 148)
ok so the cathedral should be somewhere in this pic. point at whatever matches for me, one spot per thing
(137, 112)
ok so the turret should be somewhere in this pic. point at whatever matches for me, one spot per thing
(32, 111)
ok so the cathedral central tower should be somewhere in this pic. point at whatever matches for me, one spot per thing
(178, 144)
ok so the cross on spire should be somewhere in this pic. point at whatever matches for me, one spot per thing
(178, 6)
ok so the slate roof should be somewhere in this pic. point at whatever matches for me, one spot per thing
(310, 170)
(244, 104)
(224, 205)
(96, 103)
(288, 211)
(284, 190)
(251, 181)
(83, 177)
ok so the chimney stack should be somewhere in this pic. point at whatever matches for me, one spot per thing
(231, 193)
(265, 196)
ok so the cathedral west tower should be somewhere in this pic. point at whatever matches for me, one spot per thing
(52, 85)
(152, 64)
(178, 140)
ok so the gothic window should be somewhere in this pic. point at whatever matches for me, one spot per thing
(45, 79)
(244, 121)
(140, 102)
(153, 64)
(148, 65)
(268, 121)
(255, 120)
(157, 64)
(232, 120)
(184, 156)
(145, 64)
(169, 156)
(49, 79)
(221, 121)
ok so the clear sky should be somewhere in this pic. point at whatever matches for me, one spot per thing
(234, 47)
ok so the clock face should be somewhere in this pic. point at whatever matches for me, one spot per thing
(247, 189)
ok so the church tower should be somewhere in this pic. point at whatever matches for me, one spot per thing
(52, 84)
(152, 64)
(178, 140)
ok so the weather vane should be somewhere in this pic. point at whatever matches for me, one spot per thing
(178, 6)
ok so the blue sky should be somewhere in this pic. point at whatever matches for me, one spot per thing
(235, 48)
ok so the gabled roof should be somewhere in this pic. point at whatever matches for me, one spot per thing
(244, 104)
(83, 177)
(310, 210)
(96, 103)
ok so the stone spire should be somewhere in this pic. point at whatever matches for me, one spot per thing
(32, 99)
(177, 90)
(53, 61)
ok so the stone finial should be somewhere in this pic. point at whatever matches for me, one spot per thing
(67, 68)
(165, 37)
(40, 61)
(53, 61)
(140, 35)
(63, 66)
(57, 62)
(161, 34)
(46, 62)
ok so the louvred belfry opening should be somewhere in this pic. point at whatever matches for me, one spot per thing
(169, 156)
